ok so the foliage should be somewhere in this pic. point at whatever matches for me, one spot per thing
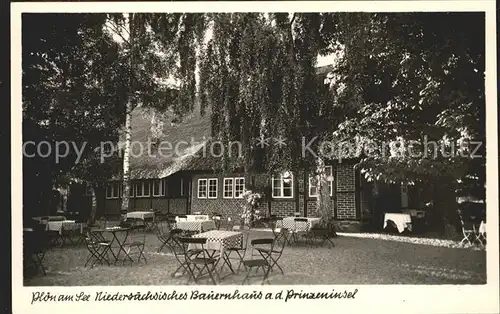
(253, 200)
(415, 78)
(266, 66)
(72, 92)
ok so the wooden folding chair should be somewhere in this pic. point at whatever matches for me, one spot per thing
(264, 262)
(322, 234)
(136, 240)
(301, 228)
(34, 247)
(240, 251)
(217, 218)
(229, 224)
(276, 250)
(481, 234)
(98, 249)
(177, 248)
(469, 231)
(162, 231)
(198, 259)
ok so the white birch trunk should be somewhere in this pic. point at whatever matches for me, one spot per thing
(128, 124)
(126, 157)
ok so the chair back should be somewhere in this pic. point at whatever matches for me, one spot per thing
(230, 224)
(265, 243)
(279, 246)
(217, 218)
(467, 225)
(199, 246)
(34, 242)
(137, 233)
(161, 229)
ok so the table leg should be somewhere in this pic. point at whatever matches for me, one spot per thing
(121, 248)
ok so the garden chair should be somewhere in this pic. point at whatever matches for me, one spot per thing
(177, 248)
(301, 228)
(276, 251)
(469, 230)
(136, 240)
(197, 260)
(97, 247)
(481, 233)
(162, 232)
(230, 224)
(150, 223)
(217, 218)
(34, 246)
(264, 262)
(322, 234)
(240, 251)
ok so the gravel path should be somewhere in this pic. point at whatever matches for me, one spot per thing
(353, 260)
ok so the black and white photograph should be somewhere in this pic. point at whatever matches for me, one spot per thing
(276, 145)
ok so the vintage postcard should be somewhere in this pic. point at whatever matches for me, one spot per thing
(245, 156)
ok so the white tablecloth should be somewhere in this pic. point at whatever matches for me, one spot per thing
(199, 225)
(65, 225)
(289, 223)
(401, 221)
(140, 215)
(218, 240)
(196, 217)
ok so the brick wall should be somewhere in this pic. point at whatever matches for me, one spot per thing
(226, 207)
(283, 208)
(177, 205)
(343, 202)
(346, 191)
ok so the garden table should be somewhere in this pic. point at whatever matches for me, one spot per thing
(219, 241)
(114, 231)
(289, 223)
(401, 221)
(140, 215)
(193, 218)
(198, 225)
(63, 225)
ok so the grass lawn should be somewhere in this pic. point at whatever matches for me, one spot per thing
(351, 261)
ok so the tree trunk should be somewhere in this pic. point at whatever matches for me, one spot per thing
(126, 157)
(128, 124)
(445, 205)
(322, 200)
(93, 210)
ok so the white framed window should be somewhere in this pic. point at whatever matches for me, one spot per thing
(158, 189)
(239, 187)
(228, 191)
(212, 188)
(142, 189)
(282, 185)
(233, 187)
(202, 188)
(313, 182)
(113, 190)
